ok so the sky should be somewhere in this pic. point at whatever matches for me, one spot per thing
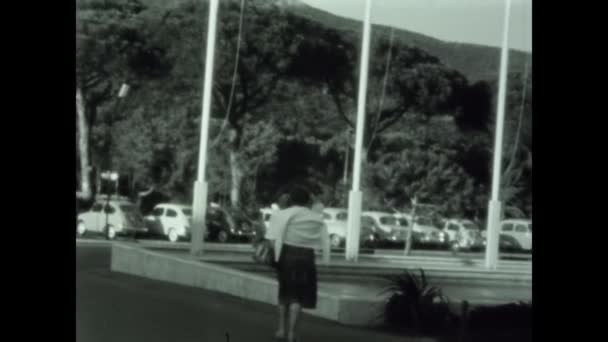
(464, 21)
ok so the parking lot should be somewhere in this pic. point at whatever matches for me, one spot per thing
(118, 217)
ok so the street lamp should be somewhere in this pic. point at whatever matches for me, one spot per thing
(199, 205)
(355, 197)
(113, 176)
(349, 139)
(495, 206)
(124, 89)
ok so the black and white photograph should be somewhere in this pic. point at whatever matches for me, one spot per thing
(303, 170)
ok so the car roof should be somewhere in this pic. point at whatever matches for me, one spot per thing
(173, 205)
(115, 201)
(460, 220)
(376, 213)
(333, 209)
(516, 221)
(112, 197)
(427, 205)
(403, 215)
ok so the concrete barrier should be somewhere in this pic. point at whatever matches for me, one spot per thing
(158, 266)
(438, 269)
(389, 253)
(243, 280)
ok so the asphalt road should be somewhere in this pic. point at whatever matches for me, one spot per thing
(118, 307)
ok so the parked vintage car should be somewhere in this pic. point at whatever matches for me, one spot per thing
(224, 225)
(427, 234)
(389, 229)
(464, 234)
(172, 221)
(336, 221)
(113, 217)
(516, 234)
(369, 233)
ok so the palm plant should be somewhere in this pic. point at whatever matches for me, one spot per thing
(415, 305)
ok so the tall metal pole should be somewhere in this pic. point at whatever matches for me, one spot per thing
(495, 206)
(199, 205)
(124, 89)
(355, 196)
(346, 152)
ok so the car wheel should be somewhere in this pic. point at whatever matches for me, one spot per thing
(368, 244)
(111, 233)
(508, 243)
(81, 228)
(517, 246)
(454, 246)
(222, 237)
(172, 235)
(335, 240)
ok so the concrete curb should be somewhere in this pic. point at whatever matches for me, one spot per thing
(145, 263)
(207, 274)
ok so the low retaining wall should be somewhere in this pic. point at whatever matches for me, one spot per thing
(211, 275)
(155, 265)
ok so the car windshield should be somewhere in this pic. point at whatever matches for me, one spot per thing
(326, 216)
(403, 222)
(424, 221)
(368, 221)
(187, 212)
(469, 225)
(426, 209)
(128, 208)
(388, 220)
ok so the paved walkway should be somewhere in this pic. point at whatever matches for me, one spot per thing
(117, 307)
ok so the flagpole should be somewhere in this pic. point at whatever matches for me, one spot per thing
(355, 195)
(199, 205)
(495, 206)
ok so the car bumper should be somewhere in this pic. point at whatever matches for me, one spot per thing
(431, 239)
(134, 230)
(368, 239)
(243, 234)
(391, 240)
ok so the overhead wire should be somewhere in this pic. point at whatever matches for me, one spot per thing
(234, 75)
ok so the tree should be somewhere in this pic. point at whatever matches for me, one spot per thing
(477, 119)
(516, 187)
(432, 176)
(477, 107)
(419, 168)
(111, 48)
(403, 79)
(237, 92)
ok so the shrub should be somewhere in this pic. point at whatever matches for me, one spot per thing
(415, 306)
(508, 322)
